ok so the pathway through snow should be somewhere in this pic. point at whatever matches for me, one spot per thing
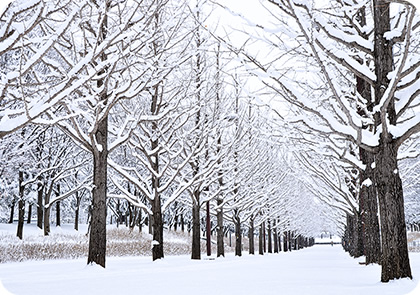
(317, 270)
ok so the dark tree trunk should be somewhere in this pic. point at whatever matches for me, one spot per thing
(118, 211)
(99, 140)
(289, 240)
(157, 250)
(40, 206)
(76, 213)
(182, 223)
(97, 238)
(275, 237)
(12, 212)
(58, 213)
(279, 238)
(358, 235)
(270, 244)
(395, 262)
(21, 207)
(195, 249)
(150, 224)
(238, 235)
(372, 244)
(47, 215)
(251, 237)
(264, 238)
(285, 246)
(57, 207)
(260, 241)
(220, 240)
(367, 195)
(176, 216)
(140, 220)
(208, 229)
(29, 217)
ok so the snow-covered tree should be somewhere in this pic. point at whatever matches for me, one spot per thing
(334, 48)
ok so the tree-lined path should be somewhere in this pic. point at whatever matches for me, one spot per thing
(321, 269)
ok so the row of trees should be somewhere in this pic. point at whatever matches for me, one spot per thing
(139, 100)
(357, 104)
(133, 105)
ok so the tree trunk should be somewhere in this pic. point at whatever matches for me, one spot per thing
(260, 241)
(140, 220)
(182, 223)
(395, 261)
(99, 140)
(289, 240)
(12, 212)
(275, 237)
(76, 213)
(220, 240)
(150, 224)
(58, 213)
(97, 238)
(358, 235)
(372, 242)
(40, 207)
(270, 244)
(21, 207)
(195, 250)
(208, 229)
(367, 195)
(238, 236)
(251, 237)
(157, 248)
(279, 237)
(47, 215)
(264, 238)
(285, 246)
(29, 218)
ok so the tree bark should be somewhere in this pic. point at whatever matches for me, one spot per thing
(358, 235)
(208, 229)
(21, 207)
(195, 249)
(46, 215)
(285, 246)
(182, 223)
(238, 235)
(395, 262)
(12, 212)
(264, 237)
(270, 243)
(76, 214)
(157, 249)
(40, 207)
(97, 238)
(58, 213)
(57, 207)
(372, 241)
(220, 235)
(29, 217)
(275, 237)
(251, 236)
(99, 140)
(260, 241)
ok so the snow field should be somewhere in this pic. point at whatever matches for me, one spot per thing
(321, 269)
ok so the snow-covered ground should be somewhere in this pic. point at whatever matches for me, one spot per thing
(322, 269)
